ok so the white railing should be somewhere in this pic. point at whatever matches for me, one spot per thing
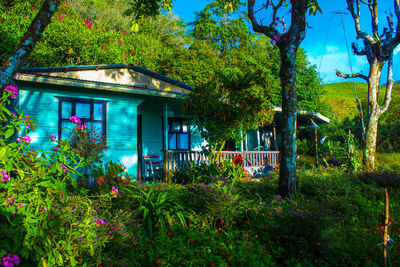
(254, 159)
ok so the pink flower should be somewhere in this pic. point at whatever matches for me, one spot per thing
(75, 119)
(56, 148)
(114, 191)
(5, 176)
(53, 137)
(24, 139)
(63, 167)
(42, 209)
(13, 90)
(80, 127)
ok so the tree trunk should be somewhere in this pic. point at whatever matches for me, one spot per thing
(373, 115)
(288, 183)
(28, 42)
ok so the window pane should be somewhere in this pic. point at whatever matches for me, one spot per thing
(171, 141)
(96, 128)
(83, 110)
(67, 129)
(98, 112)
(185, 127)
(176, 126)
(66, 110)
(183, 141)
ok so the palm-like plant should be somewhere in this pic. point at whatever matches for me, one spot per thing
(160, 209)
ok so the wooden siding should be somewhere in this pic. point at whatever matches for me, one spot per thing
(41, 102)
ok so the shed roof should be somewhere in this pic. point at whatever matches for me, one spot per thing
(304, 116)
(125, 78)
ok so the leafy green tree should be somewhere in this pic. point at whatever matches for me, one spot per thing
(230, 102)
(288, 41)
(378, 48)
(28, 41)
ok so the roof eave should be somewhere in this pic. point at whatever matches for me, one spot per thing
(138, 90)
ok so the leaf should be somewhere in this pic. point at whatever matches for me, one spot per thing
(135, 27)
(9, 133)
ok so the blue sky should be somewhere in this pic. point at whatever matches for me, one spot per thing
(325, 39)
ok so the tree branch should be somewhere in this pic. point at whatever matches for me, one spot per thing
(31, 37)
(374, 14)
(358, 51)
(269, 31)
(354, 7)
(355, 75)
(389, 85)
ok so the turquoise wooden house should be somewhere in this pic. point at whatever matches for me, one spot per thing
(136, 109)
(139, 113)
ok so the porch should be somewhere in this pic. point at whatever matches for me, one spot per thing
(255, 162)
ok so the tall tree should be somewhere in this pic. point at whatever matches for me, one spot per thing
(288, 42)
(378, 48)
(28, 42)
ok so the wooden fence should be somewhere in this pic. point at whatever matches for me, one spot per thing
(254, 159)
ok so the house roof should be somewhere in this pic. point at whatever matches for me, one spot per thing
(304, 116)
(125, 78)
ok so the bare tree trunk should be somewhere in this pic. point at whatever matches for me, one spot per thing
(28, 42)
(288, 183)
(374, 112)
(370, 142)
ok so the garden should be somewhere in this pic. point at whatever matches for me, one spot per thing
(209, 215)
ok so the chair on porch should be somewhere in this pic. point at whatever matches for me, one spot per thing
(152, 167)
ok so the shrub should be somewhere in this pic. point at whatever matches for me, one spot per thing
(381, 178)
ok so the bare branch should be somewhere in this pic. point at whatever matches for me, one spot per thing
(374, 13)
(358, 51)
(364, 2)
(354, 7)
(269, 31)
(389, 85)
(385, 30)
(275, 10)
(355, 75)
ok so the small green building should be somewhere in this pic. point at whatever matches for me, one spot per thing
(137, 110)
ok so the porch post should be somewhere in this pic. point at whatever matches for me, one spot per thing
(241, 139)
(246, 145)
(274, 133)
(258, 138)
(165, 142)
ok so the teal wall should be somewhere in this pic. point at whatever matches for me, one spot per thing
(40, 101)
(152, 111)
(252, 139)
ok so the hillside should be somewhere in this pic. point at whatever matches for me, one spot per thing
(341, 98)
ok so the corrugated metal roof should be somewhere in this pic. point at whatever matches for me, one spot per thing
(112, 66)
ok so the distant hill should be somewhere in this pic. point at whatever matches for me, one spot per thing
(341, 98)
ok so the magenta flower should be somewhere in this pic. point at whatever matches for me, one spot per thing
(24, 139)
(75, 119)
(53, 137)
(13, 90)
(5, 176)
(10, 260)
(63, 167)
(56, 148)
(80, 127)
(114, 191)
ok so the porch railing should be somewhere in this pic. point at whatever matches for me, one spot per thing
(254, 159)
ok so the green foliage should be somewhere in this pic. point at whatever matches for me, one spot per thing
(219, 172)
(159, 209)
(38, 220)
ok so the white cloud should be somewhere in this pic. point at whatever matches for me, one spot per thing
(336, 58)
(396, 50)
